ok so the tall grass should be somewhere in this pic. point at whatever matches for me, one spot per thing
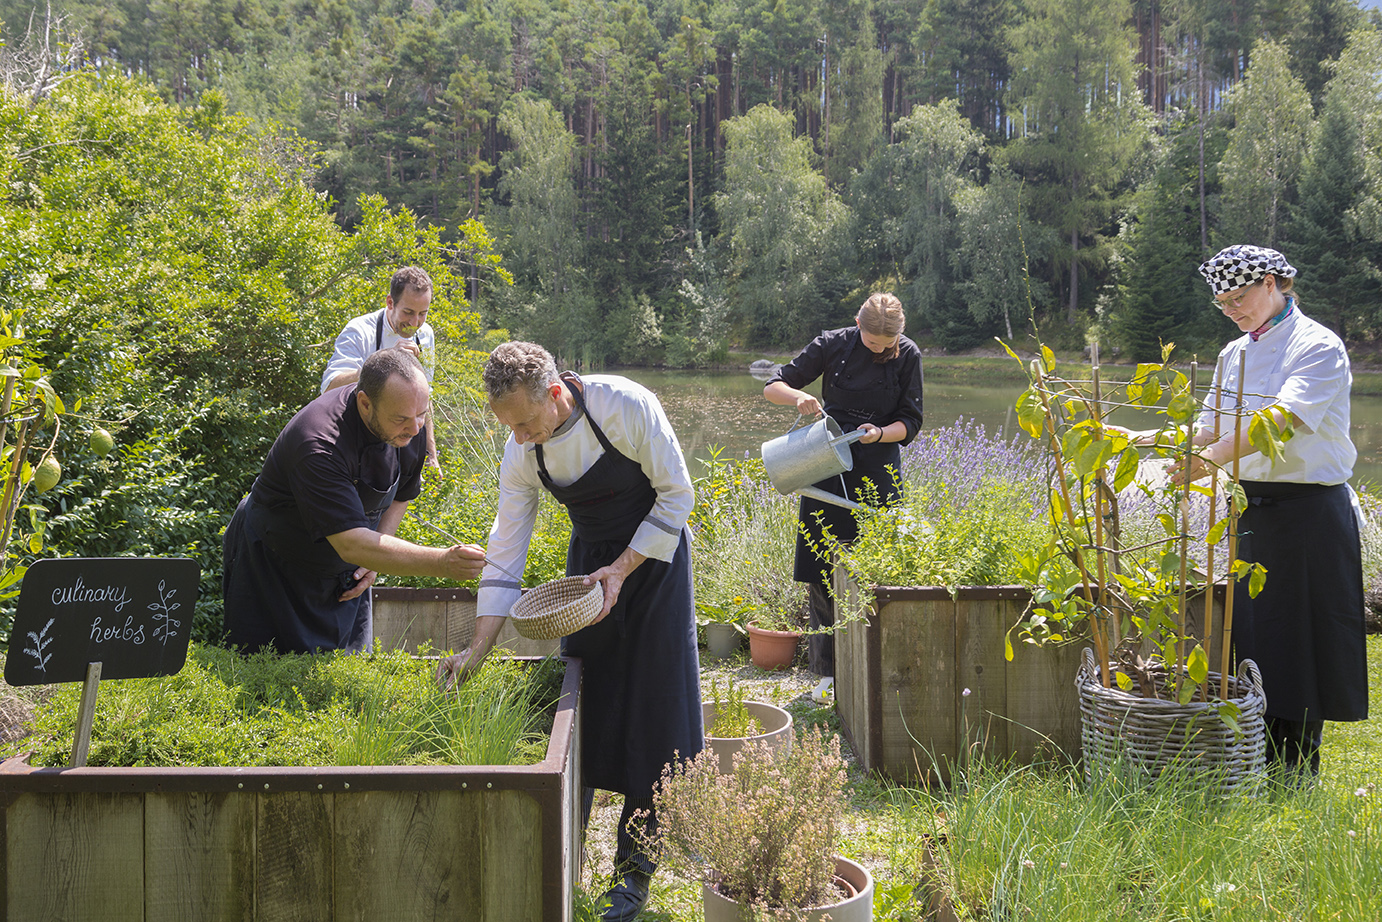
(1032, 843)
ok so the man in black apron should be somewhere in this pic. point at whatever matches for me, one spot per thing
(602, 446)
(871, 379)
(305, 545)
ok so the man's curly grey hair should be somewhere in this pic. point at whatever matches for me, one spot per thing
(519, 366)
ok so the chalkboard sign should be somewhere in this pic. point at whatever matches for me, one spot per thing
(130, 614)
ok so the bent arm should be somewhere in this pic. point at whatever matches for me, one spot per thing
(784, 395)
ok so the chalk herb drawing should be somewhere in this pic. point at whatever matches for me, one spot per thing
(41, 642)
(164, 612)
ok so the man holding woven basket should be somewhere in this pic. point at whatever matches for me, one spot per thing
(602, 445)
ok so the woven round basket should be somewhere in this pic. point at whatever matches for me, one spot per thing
(557, 608)
(1121, 731)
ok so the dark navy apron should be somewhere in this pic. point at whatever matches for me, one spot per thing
(282, 588)
(379, 332)
(851, 404)
(1305, 629)
(640, 695)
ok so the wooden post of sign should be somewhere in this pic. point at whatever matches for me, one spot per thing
(86, 714)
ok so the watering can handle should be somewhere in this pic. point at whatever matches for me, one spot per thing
(800, 417)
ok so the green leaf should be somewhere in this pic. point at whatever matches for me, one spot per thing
(1007, 348)
(1182, 408)
(1126, 470)
(1197, 664)
(1216, 533)
(1168, 522)
(1031, 415)
(1256, 580)
(1185, 691)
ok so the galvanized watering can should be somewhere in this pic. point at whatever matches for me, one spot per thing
(809, 455)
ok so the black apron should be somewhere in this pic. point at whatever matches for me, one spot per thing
(282, 588)
(851, 407)
(641, 693)
(1305, 629)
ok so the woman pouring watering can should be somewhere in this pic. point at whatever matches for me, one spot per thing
(871, 380)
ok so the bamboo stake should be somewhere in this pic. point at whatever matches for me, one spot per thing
(1099, 647)
(1185, 538)
(1100, 554)
(1213, 511)
(1227, 640)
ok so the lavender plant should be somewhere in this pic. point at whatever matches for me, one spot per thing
(765, 836)
(970, 508)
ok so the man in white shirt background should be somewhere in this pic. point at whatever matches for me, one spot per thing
(401, 324)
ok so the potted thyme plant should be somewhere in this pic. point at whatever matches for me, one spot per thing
(1147, 692)
(763, 839)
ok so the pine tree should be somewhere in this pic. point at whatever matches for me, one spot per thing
(1335, 263)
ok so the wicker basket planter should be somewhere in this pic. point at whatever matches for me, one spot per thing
(1122, 732)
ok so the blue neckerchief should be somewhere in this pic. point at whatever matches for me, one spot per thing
(1285, 312)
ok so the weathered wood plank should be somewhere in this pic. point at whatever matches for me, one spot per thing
(74, 857)
(980, 669)
(408, 855)
(852, 675)
(1042, 702)
(511, 873)
(293, 857)
(918, 686)
(199, 851)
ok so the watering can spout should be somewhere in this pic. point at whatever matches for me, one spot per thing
(822, 496)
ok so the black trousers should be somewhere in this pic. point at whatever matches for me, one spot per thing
(820, 648)
(1293, 746)
(629, 853)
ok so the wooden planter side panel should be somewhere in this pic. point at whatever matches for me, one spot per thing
(81, 857)
(199, 856)
(1043, 709)
(406, 617)
(407, 854)
(294, 857)
(981, 670)
(860, 719)
(917, 683)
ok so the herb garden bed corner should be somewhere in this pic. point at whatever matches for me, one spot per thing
(921, 681)
(360, 843)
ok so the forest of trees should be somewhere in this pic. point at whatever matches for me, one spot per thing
(667, 179)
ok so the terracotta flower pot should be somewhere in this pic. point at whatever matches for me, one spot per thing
(772, 649)
(777, 732)
(855, 908)
(721, 640)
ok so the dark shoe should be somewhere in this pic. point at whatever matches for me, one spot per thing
(626, 899)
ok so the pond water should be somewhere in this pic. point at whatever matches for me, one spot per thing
(726, 410)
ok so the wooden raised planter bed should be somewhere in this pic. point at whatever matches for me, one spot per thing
(405, 617)
(352, 843)
(902, 670)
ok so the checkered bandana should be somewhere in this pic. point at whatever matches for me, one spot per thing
(1236, 266)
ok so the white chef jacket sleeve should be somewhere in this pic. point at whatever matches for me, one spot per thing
(509, 537)
(1314, 379)
(353, 346)
(649, 439)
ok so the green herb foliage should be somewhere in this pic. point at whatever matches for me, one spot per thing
(732, 717)
(225, 708)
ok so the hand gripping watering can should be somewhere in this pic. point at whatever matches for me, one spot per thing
(809, 455)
